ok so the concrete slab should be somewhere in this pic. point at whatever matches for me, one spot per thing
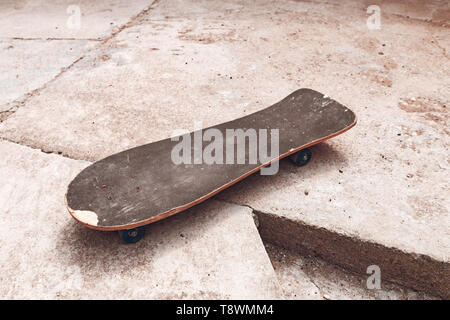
(32, 64)
(64, 19)
(380, 187)
(309, 277)
(148, 81)
(436, 12)
(45, 254)
(210, 62)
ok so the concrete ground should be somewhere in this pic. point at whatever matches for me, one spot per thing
(309, 277)
(45, 255)
(133, 72)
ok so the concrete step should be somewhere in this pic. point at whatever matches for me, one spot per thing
(309, 277)
(353, 221)
(212, 251)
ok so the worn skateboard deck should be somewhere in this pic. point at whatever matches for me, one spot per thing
(143, 185)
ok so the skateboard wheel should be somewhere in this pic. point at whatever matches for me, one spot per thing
(132, 235)
(302, 157)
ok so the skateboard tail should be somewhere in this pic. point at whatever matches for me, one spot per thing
(85, 217)
(89, 219)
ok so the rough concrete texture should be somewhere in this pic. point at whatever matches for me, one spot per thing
(378, 194)
(309, 277)
(56, 19)
(419, 272)
(211, 251)
(32, 64)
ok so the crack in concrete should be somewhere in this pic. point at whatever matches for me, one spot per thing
(254, 212)
(442, 24)
(321, 293)
(235, 203)
(58, 153)
(4, 115)
(16, 104)
(437, 44)
(132, 22)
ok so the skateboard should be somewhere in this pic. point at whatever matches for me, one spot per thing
(133, 188)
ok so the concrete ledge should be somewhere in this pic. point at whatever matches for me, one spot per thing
(417, 271)
(309, 277)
